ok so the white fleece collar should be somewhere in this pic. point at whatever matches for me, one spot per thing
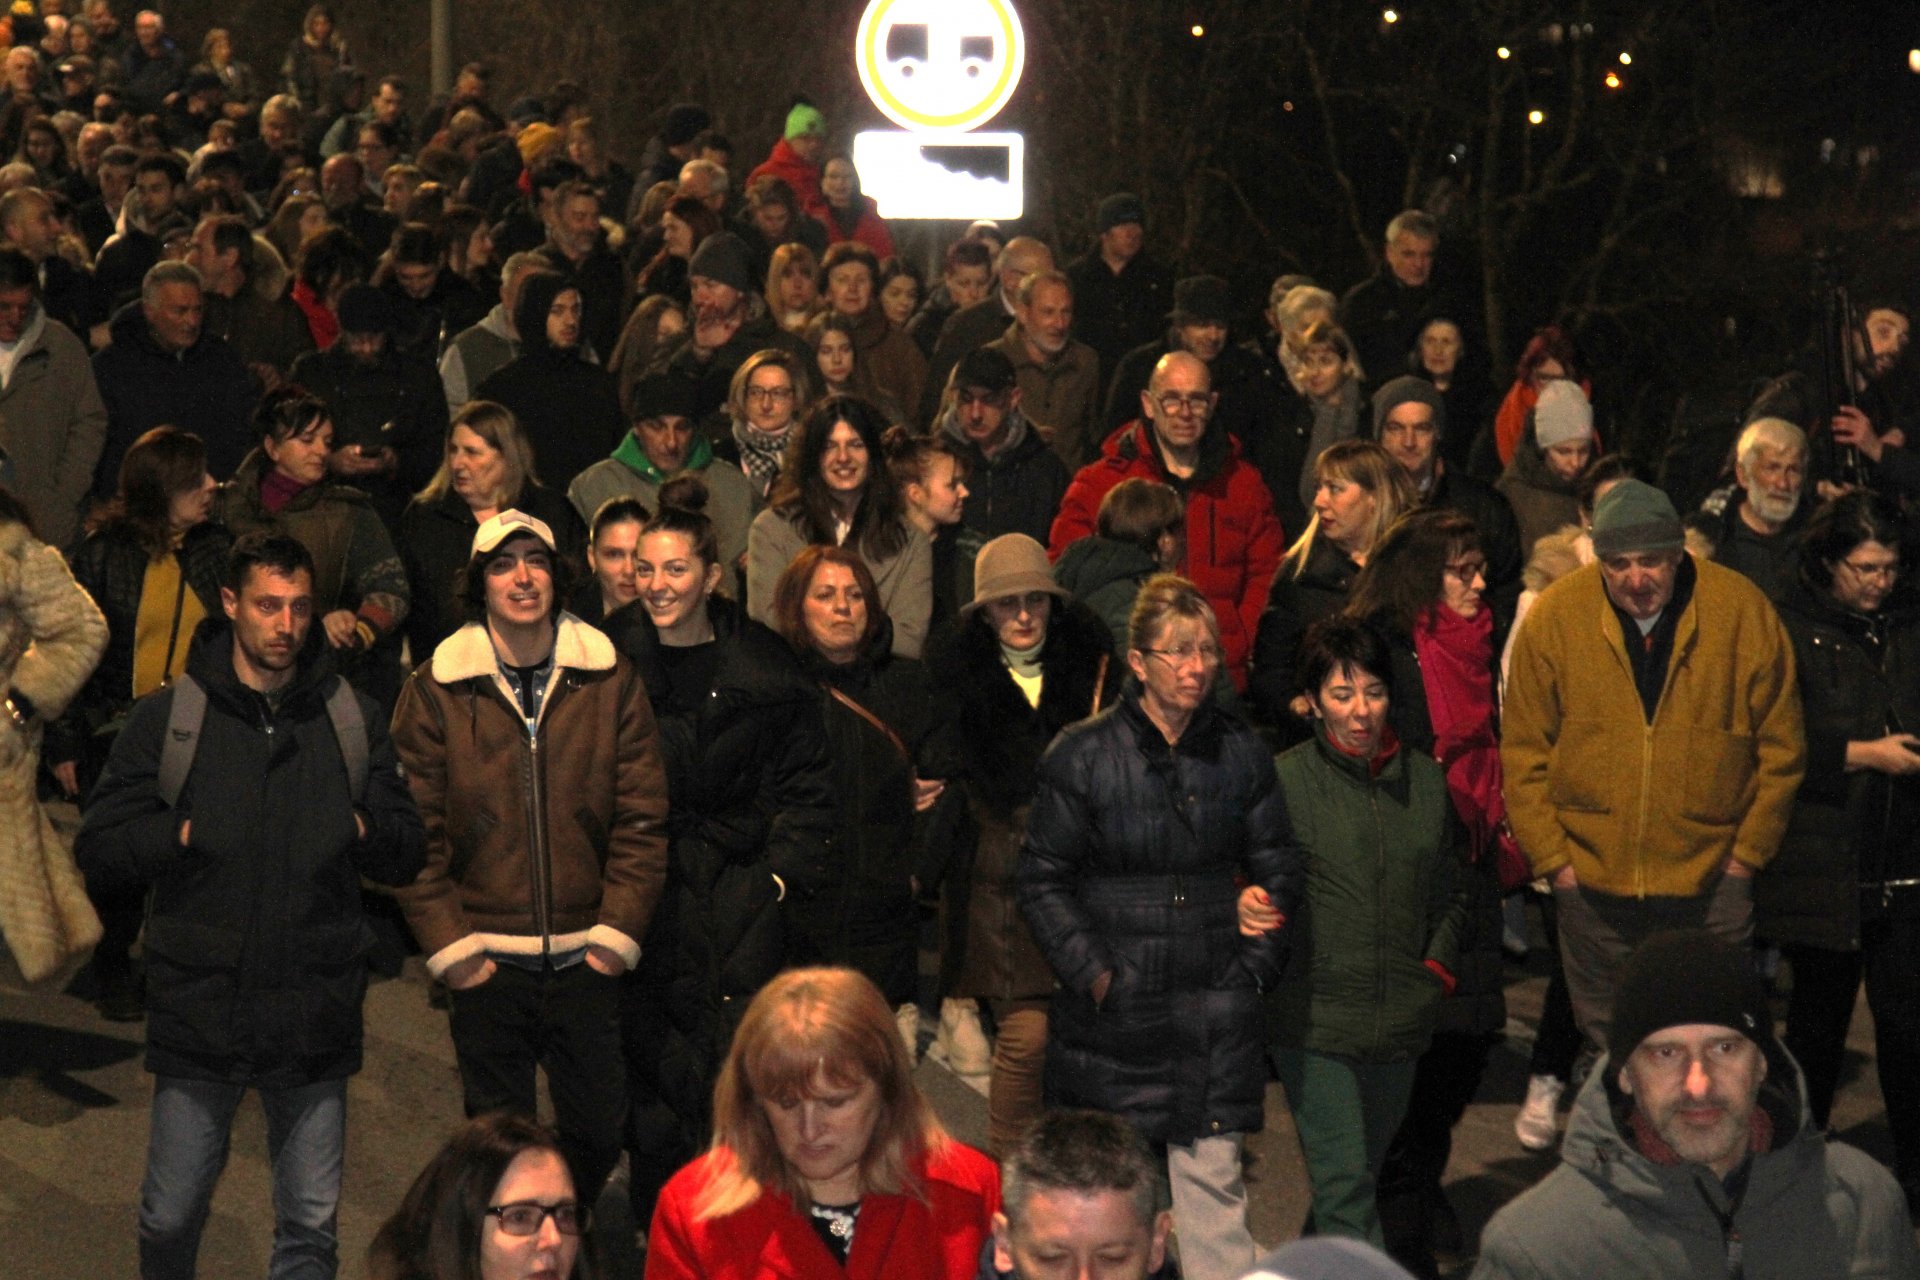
(468, 654)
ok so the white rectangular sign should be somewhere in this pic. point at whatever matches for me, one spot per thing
(960, 176)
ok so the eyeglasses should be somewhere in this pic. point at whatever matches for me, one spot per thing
(523, 1217)
(1878, 572)
(1467, 570)
(769, 393)
(1198, 403)
(1180, 656)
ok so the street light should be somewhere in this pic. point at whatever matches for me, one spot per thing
(1913, 61)
(1626, 59)
(1536, 116)
(1613, 80)
(1503, 53)
(1390, 16)
(1198, 31)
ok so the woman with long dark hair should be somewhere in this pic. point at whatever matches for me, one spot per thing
(834, 489)
(746, 760)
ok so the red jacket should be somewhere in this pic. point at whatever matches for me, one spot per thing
(897, 1238)
(1233, 540)
(870, 229)
(784, 162)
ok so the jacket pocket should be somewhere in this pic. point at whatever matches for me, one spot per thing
(335, 962)
(1718, 767)
(467, 831)
(193, 984)
(1582, 765)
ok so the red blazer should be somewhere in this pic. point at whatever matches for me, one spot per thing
(898, 1237)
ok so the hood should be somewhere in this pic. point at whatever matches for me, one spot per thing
(210, 661)
(1133, 442)
(1093, 562)
(1599, 1141)
(1019, 432)
(530, 315)
(35, 327)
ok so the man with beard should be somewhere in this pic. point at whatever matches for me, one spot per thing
(1690, 1153)
(1874, 414)
(1652, 744)
(1753, 522)
(575, 250)
(728, 323)
(1059, 377)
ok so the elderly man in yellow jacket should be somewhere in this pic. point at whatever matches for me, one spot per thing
(1652, 744)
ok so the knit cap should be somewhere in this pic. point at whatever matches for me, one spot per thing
(1562, 414)
(684, 122)
(1119, 209)
(1635, 516)
(1682, 978)
(803, 120)
(1408, 389)
(723, 257)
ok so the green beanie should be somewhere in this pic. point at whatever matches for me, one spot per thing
(803, 120)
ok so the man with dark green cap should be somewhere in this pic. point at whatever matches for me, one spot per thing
(1652, 744)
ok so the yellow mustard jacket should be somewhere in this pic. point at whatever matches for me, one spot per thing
(1643, 809)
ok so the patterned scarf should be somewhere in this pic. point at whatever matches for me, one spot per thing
(759, 454)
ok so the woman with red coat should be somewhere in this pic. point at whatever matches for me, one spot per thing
(846, 213)
(827, 1163)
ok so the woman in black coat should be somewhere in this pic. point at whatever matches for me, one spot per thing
(487, 468)
(749, 827)
(1146, 817)
(568, 407)
(992, 733)
(878, 714)
(1843, 894)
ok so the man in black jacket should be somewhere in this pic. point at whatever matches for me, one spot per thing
(256, 941)
(1014, 481)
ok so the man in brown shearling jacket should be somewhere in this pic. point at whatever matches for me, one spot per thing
(533, 755)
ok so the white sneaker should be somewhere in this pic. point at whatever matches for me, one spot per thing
(1536, 1125)
(907, 1018)
(961, 1044)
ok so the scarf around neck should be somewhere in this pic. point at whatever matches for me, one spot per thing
(1456, 666)
(760, 453)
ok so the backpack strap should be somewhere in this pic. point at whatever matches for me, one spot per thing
(184, 718)
(350, 728)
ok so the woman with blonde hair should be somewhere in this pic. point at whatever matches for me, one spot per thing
(793, 286)
(1359, 490)
(824, 1150)
(487, 468)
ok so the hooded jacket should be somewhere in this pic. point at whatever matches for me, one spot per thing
(629, 473)
(568, 407)
(1016, 490)
(206, 387)
(1233, 540)
(256, 940)
(475, 354)
(1811, 1209)
(1105, 574)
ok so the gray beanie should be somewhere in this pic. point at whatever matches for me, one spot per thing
(1562, 414)
(1408, 389)
(1635, 516)
(723, 256)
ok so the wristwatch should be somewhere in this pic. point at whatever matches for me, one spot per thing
(19, 709)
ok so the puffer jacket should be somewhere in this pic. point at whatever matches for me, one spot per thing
(987, 746)
(1639, 808)
(752, 814)
(1131, 868)
(863, 915)
(1812, 1209)
(1852, 832)
(256, 941)
(1233, 540)
(1384, 897)
(536, 841)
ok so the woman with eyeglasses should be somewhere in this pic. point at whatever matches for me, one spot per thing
(496, 1203)
(827, 1161)
(1146, 818)
(1376, 930)
(1842, 898)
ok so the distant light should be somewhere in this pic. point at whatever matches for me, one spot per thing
(1626, 59)
(1287, 105)
(1536, 116)
(1913, 61)
(1503, 53)
(1198, 31)
(1390, 16)
(1613, 81)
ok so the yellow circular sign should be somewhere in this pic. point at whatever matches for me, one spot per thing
(941, 66)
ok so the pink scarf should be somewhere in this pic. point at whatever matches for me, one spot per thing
(1456, 656)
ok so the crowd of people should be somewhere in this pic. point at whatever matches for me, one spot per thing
(652, 597)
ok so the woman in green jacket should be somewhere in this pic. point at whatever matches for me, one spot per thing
(1377, 928)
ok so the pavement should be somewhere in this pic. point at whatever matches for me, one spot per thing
(73, 1133)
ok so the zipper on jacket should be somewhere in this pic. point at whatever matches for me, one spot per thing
(1640, 835)
(537, 849)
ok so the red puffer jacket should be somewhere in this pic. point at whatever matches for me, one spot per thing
(1233, 540)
